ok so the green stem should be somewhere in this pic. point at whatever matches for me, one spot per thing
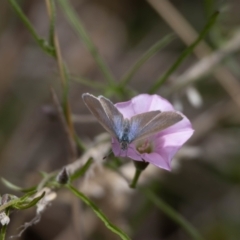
(81, 171)
(40, 41)
(8, 204)
(47, 179)
(52, 21)
(4, 228)
(172, 214)
(3, 232)
(99, 213)
(65, 100)
(78, 26)
(184, 54)
(135, 178)
(153, 50)
(79, 143)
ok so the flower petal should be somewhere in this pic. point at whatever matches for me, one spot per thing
(183, 125)
(126, 108)
(157, 160)
(159, 103)
(168, 145)
(143, 103)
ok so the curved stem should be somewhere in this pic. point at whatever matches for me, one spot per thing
(99, 213)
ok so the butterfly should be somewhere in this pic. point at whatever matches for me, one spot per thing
(126, 130)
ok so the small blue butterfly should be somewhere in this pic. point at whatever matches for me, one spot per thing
(127, 130)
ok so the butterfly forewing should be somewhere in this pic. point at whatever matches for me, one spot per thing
(116, 118)
(160, 122)
(139, 121)
(109, 107)
(96, 108)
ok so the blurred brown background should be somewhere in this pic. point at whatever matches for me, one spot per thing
(204, 184)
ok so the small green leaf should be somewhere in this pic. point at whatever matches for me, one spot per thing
(82, 170)
(24, 205)
(15, 187)
(43, 174)
(27, 195)
(9, 204)
(10, 185)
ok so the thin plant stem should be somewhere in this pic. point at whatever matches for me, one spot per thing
(52, 15)
(8, 204)
(171, 213)
(164, 207)
(82, 170)
(4, 228)
(67, 130)
(62, 68)
(3, 232)
(82, 33)
(79, 143)
(48, 48)
(148, 54)
(184, 54)
(135, 178)
(99, 213)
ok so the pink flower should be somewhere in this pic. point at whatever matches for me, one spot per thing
(159, 148)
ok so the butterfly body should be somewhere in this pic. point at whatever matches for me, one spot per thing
(126, 130)
(125, 138)
(122, 128)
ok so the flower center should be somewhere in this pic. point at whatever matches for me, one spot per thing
(144, 146)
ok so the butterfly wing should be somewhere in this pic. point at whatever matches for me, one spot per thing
(139, 121)
(96, 108)
(116, 118)
(158, 123)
